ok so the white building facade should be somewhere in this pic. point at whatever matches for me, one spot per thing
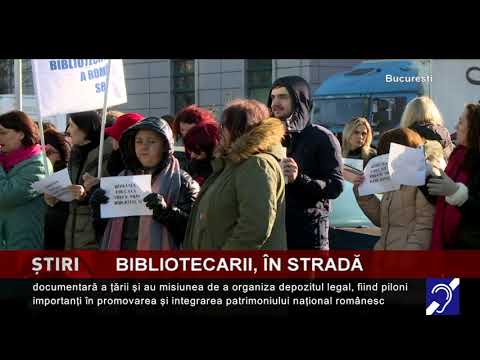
(157, 87)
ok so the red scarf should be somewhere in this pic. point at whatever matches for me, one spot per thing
(9, 160)
(447, 217)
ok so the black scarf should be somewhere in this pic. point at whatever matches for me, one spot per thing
(80, 153)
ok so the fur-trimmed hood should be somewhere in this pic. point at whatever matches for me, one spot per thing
(266, 137)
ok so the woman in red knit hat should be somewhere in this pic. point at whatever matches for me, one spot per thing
(122, 123)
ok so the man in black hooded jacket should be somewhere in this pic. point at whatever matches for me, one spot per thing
(313, 167)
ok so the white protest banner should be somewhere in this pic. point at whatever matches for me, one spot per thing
(377, 178)
(406, 165)
(55, 185)
(126, 194)
(74, 85)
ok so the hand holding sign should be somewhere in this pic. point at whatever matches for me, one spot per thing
(358, 180)
(96, 200)
(126, 194)
(155, 202)
(89, 181)
(78, 191)
(442, 186)
(403, 165)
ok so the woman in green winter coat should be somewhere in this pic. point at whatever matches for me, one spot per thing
(242, 204)
(22, 210)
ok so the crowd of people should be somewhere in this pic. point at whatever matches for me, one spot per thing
(262, 176)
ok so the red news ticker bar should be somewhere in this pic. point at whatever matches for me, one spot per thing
(206, 264)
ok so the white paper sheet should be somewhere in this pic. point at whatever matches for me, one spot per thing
(126, 194)
(406, 165)
(56, 185)
(377, 177)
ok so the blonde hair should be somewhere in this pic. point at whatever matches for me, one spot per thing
(347, 134)
(433, 150)
(115, 113)
(421, 109)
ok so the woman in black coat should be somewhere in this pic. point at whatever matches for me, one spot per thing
(58, 152)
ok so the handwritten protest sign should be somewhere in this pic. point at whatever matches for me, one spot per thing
(377, 177)
(406, 165)
(73, 85)
(126, 194)
(55, 185)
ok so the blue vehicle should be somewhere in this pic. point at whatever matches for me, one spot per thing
(365, 91)
(379, 91)
(350, 229)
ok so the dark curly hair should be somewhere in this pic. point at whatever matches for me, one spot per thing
(57, 140)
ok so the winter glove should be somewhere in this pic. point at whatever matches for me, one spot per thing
(97, 198)
(157, 203)
(442, 186)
